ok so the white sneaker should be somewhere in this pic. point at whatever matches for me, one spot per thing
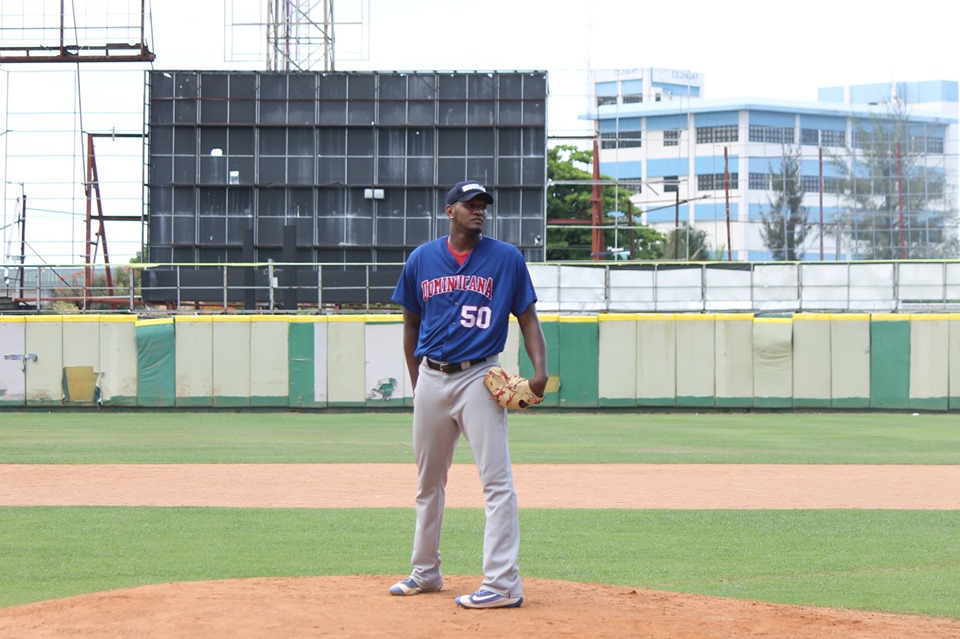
(488, 599)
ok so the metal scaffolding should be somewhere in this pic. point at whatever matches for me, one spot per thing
(297, 35)
(82, 32)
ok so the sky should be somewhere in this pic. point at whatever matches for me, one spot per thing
(743, 48)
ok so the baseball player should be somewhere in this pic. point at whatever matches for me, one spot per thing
(457, 294)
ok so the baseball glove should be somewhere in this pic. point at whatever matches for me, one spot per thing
(510, 391)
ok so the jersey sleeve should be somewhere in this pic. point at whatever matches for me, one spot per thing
(406, 294)
(523, 293)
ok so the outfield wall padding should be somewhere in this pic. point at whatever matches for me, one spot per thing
(772, 362)
(889, 361)
(269, 365)
(656, 360)
(300, 364)
(387, 380)
(13, 350)
(118, 371)
(850, 360)
(81, 359)
(156, 363)
(696, 360)
(232, 363)
(579, 357)
(642, 360)
(733, 335)
(44, 376)
(953, 348)
(616, 363)
(812, 362)
(194, 361)
(510, 357)
(929, 373)
(551, 335)
(321, 371)
(345, 362)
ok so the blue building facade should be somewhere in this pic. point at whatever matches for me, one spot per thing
(711, 162)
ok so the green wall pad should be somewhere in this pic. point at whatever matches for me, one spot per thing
(889, 362)
(156, 363)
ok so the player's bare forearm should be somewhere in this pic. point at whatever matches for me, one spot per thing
(411, 333)
(536, 347)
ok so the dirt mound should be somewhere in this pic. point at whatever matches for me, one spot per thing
(359, 606)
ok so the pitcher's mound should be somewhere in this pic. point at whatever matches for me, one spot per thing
(359, 606)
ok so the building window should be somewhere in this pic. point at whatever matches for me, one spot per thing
(625, 140)
(671, 183)
(715, 182)
(606, 100)
(759, 181)
(811, 184)
(630, 139)
(771, 134)
(833, 138)
(923, 144)
(822, 137)
(632, 99)
(671, 137)
(713, 134)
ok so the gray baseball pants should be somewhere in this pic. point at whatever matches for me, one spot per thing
(444, 406)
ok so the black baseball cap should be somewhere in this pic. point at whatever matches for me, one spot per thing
(468, 190)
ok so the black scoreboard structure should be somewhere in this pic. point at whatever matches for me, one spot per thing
(342, 174)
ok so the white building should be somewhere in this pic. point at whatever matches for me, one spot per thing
(706, 161)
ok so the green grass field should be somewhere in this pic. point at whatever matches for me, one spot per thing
(890, 560)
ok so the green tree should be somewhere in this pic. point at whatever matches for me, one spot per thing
(569, 197)
(895, 193)
(649, 243)
(784, 227)
(687, 244)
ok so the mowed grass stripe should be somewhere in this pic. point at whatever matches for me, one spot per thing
(102, 437)
(897, 561)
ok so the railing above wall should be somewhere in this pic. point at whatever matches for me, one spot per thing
(896, 286)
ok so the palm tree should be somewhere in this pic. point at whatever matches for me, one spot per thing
(687, 244)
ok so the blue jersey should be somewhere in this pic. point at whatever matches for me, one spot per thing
(464, 310)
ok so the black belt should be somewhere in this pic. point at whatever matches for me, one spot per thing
(444, 367)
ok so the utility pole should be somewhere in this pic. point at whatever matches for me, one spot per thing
(23, 243)
(676, 225)
(821, 203)
(903, 241)
(595, 198)
(726, 194)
